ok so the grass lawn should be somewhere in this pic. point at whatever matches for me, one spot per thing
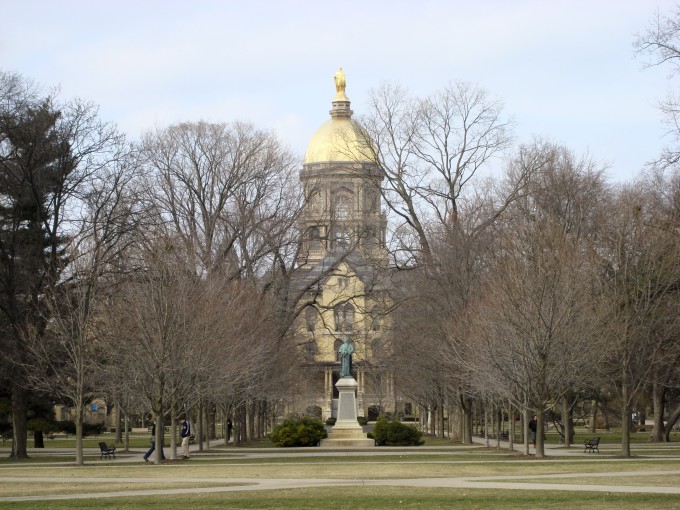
(50, 473)
(374, 498)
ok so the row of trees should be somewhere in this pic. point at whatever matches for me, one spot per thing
(162, 274)
(545, 287)
(155, 274)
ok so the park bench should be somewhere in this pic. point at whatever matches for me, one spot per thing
(106, 450)
(591, 445)
(505, 435)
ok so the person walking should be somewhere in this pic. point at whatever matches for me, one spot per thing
(153, 445)
(230, 430)
(533, 424)
(185, 434)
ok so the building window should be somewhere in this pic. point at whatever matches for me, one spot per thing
(314, 239)
(370, 201)
(309, 350)
(315, 201)
(377, 348)
(344, 317)
(342, 238)
(310, 317)
(375, 318)
(336, 347)
(343, 207)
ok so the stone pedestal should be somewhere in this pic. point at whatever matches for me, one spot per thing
(347, 431)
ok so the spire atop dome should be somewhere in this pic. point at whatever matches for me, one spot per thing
(340, 85)
(340, 101)
(339, 139)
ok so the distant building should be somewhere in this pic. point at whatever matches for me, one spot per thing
(344, 266)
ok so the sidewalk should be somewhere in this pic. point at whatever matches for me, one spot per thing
(537, 482)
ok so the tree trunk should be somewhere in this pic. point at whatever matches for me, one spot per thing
(672, 420)
(160, 430)
(174, 418)
(199, 427)
(625, 416)
(212, 434)
(540, 427)
(593, 417)
(659, 403)
(499, 426)
(127, 432)
(567, 421)
(467, 420)
(38, 440)
(19, 423)
(119, 423)
(243, 429)
(440, 432)
(511, 427)
(525, 428)
(206, 421)
(79, 434)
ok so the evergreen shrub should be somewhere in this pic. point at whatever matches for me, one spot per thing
(394, 433)
(303, 431)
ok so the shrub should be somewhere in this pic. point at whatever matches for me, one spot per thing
(66, 426)
(40, 425)
(362, 420)
(331, 421)
(395, 433)
(93, 429)
(304, 431)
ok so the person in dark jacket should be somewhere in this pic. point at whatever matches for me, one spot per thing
(185, 434)
(533, 424)
(153, 445)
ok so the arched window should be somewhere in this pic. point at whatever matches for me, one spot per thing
(315, 201)
(370, 200)
(375, 318)
(349, 317)
(377, 348)
(309, 350)
(343, 207)
(344, 317)
(342, 238)
(311, 316)
(314, 239)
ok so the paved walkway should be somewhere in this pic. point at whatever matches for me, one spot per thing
(538, 482)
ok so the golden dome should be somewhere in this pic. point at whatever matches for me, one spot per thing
(339, 138)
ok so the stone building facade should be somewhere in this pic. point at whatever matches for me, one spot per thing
(344, 266)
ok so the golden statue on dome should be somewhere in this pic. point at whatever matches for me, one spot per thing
(340, 85)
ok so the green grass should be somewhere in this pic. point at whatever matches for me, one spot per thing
(374, 498)
(222, 467)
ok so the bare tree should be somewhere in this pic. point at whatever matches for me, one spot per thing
(226, 191)
(661, 43)
(537, 318)
(152, 318)
(430, 149)
(49, 151)
(642, 271)
(64, 360)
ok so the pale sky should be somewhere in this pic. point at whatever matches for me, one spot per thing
(564, 69)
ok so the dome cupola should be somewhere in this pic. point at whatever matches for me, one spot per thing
(340, 139)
